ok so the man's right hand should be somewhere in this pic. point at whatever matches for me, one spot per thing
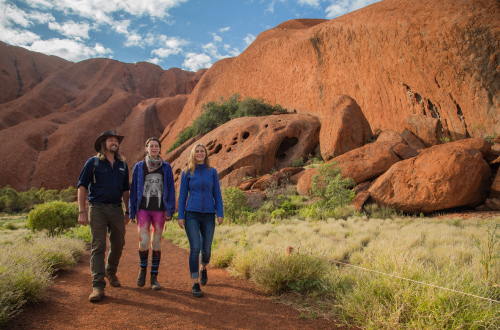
(83, 218)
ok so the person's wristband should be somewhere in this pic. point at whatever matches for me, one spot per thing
(80, 212)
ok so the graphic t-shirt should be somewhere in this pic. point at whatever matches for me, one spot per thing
(153, 190)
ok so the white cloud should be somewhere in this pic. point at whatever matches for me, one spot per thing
(249, 39)
(71, 29)
(339, 8)
(121, 26)
(312, 3)
(71, 50)
(225, 29)
(194, 61)
(18, 37)
(333, 11)
(102, 11)
(172, 46)
(133, 39)
(154, 60)
(217, 38)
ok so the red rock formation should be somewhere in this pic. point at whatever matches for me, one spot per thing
(49, 132)
(252, 146)
(21, 70)
(393, 58)
(445, 176)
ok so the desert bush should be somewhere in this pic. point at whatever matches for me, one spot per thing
(215, 114)
(299, 162)
(235, 203)
(55, 217)
(68, 195)
(80, 232)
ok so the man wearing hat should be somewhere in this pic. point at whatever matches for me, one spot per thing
(106, 178)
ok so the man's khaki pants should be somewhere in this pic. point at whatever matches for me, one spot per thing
(104, 219)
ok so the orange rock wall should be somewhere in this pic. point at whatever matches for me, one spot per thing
(394, 58)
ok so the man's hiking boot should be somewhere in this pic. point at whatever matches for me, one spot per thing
(154, 283)
(96, 295)
(113, 280)
(204, 277)
(141, 279)
(197, 290)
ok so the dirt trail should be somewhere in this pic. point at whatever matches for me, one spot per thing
(228, 303)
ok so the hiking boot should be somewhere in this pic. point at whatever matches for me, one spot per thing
(204, 277)
(141, 279)
(113, 280)
(154, 283)
(197, 290)
(97, 294)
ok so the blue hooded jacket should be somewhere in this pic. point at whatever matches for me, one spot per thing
(137, 188)
(204, 192)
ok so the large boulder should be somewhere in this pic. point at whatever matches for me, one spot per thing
(343, 128)
(362, 164)
(253, 146)
(428, 129)
(443, 177)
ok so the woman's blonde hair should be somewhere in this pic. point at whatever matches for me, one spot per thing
(191, 166)
(102, 153)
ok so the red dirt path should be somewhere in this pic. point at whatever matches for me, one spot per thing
(228, 303)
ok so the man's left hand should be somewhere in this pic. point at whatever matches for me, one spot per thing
(126, 218)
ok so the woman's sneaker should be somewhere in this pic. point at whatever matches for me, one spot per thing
(204, 277)
(197, 290)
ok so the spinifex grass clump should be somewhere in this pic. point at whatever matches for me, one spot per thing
(26, 268)
(412, 273)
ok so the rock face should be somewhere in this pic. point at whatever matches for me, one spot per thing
(393, 58)
(252, 146)
(445, 176)
(21, 70)
(49, 131)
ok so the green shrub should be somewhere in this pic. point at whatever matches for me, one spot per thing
(68, 195)
(234, 203)
(298, 162)
(55, 217)
(215, 114)
(80, 232)
(331, 187)
(279, 214)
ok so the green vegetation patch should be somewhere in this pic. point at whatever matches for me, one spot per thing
(215, 114)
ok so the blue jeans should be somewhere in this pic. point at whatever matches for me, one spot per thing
(200, 228)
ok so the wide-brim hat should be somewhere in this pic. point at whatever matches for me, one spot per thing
(104, 136)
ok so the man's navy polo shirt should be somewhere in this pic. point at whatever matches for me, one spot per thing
(110, 183)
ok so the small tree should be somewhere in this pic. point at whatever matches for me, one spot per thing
(55, 217)
(331, 187)
(234, 203)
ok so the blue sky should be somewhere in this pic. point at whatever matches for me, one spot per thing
(187, 34)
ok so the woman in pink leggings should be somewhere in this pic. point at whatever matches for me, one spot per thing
(152, 200)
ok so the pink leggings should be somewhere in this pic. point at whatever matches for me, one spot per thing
(144, 221)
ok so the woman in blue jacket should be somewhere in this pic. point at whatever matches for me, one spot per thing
(197, 216)
(152, 200)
